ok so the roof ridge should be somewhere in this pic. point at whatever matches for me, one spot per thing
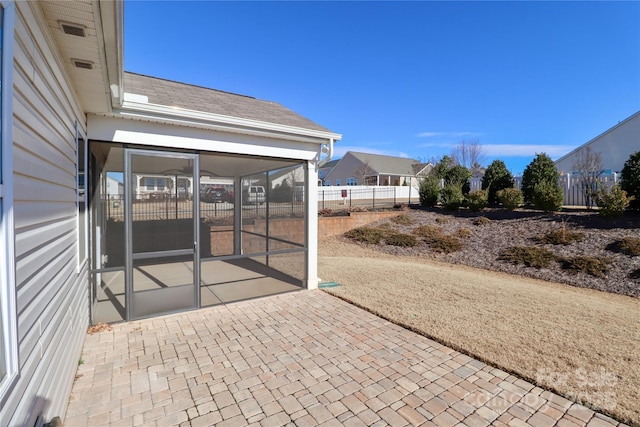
(194, 85)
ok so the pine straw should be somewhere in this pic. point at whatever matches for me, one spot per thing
(100, 327)
(551, 334)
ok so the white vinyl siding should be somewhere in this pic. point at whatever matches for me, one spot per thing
(51, 292)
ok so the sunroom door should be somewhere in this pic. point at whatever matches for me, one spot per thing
(162, 230)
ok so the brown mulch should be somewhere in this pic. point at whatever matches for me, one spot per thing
(505, 229)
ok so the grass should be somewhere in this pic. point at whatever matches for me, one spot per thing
(536, 329)
(529, 256)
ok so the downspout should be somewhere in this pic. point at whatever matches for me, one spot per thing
(328, 150)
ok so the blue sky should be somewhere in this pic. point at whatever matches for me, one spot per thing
(409, 78)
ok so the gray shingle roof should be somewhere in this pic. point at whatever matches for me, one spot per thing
(198, 98)
(387, 164)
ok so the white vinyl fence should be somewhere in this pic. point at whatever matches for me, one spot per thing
(344, 197)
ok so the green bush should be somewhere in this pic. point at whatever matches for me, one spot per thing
(548, 196)
(497, 177)
(511, 198)
(528, 256)
(401, 239)
(541, 169)
(612, 203)
(630, 179)
(458, 176)
(451, 197)
(442, 167)
(429, 191)
(477, 200)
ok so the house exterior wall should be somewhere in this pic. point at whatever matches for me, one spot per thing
(615, 146)
(50, 279)
(344, 169)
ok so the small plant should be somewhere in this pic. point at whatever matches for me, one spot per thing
(628, 246)
(442, 220)
(325, 212)
(482, 220)
(477, 200)
(595, 266)
(548, 196)
(403, 219)
(613, 203)
(80, 362)
(428, 232)
(366, 235)
(429, 191)
(528, 256)
(446, 244)
(511, 198)
(451, 197)
(401, 239)
(562, 236)
(464, 233)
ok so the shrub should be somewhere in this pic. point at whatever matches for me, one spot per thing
(446, 244)
(528, 256)
(629, 246)
(497, 177)
(458, 176)
(325, 212)
(428, 232)
(429, 191)
(561, 237)
(477, 200)
(464, 233)
(442, 220)
(366, 235)
(612, 203)
(482, 220)
(511, 198)
(595, 266)
(630, 179)
(401, 239)
(403, 219)
(541, 169)
(442, 167)
(548, 196)
(452, 197)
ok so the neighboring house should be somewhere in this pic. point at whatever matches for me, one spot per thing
(115, 188)
(69, 111)
(614, 145)
(374, 169)
(325, 170)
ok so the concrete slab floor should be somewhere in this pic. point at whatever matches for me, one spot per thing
(304, 359)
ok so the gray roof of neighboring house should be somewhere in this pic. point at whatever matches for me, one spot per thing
(387, 164)
(198, 98)
(330, 164)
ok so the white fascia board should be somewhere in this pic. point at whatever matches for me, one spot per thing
(209, 120)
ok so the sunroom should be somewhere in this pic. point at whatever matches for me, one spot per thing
(183, 205)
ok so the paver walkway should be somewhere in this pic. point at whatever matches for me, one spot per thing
(303, 359)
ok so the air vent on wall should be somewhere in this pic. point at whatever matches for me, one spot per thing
(73, 29)
(79, 63)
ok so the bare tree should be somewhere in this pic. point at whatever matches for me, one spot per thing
(468, 153)
(588, 166)
(363, 173)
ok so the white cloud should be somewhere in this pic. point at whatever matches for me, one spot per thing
(448, 135)
(511, 150)
(341, 150)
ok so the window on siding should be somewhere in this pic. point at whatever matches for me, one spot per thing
(328, 182)
(352, 181)
(337, 182)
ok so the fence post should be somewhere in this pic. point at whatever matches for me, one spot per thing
(374, 197)
(394, 196)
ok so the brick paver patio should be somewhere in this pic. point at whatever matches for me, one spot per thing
(303, 359)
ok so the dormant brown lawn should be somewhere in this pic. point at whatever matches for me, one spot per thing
(581, 343)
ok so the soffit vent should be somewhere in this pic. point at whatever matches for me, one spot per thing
(79, 63)
(73, 29)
